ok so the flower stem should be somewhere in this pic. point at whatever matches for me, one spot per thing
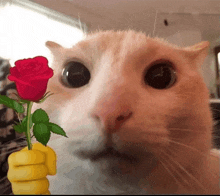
(28, 134)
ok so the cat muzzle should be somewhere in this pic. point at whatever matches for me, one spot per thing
(107, 153)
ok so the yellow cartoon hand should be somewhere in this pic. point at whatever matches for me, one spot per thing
(28, 169)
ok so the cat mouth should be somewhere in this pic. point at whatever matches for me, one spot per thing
(107, 153)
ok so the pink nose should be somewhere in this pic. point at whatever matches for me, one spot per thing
(112, 118)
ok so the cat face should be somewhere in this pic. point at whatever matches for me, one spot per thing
(130, 100)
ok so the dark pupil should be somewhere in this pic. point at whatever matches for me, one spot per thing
(160, 76)
(76, 75)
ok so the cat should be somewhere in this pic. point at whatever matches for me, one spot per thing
(137, 116)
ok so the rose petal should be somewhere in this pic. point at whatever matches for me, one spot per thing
(18, 63)
(46, 75)
(26, 66)
(42, 60)
(34, 75)
(29, 93)
(15, 79)
(42, 63)
(12, 78)
(14, 71)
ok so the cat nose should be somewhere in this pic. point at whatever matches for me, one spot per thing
(112, 120)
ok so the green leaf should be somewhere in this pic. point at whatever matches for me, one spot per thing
(56, 129)
(19, 128)
(17, 107)
(22, 127)
(24, 122)
(5, 100)
(11, 104)
(40, 116)
(41, 133)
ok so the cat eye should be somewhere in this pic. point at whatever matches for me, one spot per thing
(160, 76)
(75, 75)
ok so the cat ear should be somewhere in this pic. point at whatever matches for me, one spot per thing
(53, 46)
(197, 53)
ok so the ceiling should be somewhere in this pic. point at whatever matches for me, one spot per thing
(143, 15)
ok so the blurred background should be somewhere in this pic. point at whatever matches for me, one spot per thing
(25, 25)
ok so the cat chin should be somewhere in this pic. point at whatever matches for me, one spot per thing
(108, 154)
(111, 173)
(116, 163)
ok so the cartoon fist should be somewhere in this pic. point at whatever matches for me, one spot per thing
(28, 169)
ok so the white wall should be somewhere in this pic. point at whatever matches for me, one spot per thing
(186, 29)
(190, 37)
(190, 21)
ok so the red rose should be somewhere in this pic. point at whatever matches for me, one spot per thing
(31, 77)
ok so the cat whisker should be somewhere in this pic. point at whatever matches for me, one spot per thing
(179, 109)
(189, 147)
(168, 170)
(182, 129)
(185, 171)
(175, 170)
(213, 174)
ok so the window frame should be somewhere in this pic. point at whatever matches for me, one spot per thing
(9, 49)
(50, 13)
